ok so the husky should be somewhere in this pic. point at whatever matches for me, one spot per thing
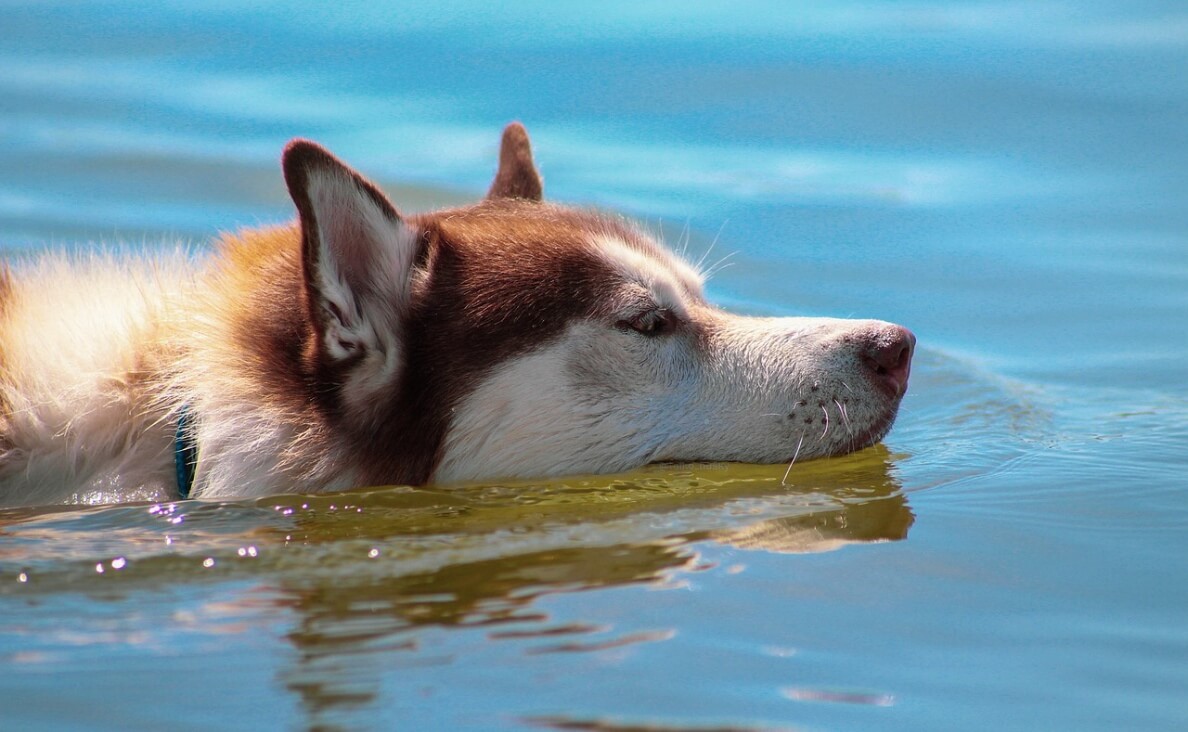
(360, 346)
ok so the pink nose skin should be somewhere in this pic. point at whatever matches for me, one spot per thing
(888, 354)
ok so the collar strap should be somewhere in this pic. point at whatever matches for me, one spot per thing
(185, 451)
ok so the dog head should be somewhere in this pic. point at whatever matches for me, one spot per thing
(519, 338)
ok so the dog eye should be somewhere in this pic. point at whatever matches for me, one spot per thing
(650, 323)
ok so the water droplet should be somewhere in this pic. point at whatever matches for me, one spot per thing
(99, 567)
(119, 563)
(208, 562)
(22, 577)
(373, 553)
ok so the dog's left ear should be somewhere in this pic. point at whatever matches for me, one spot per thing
(358, 259)
(517, 176)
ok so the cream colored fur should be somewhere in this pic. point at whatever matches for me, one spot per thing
(81, 340)
(98, 357)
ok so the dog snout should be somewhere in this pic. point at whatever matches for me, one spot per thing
(887, 353)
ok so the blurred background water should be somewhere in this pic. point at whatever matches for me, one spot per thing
(1008, 179)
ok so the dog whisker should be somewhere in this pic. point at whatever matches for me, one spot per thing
(841, 409)
(795, 454)
(718, 266)
(684, 239)
(710, 249)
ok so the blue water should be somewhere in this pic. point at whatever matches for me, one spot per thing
(1007, 179)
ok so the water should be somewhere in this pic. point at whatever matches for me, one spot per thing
(1007, 179)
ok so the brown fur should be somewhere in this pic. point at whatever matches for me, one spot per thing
(517, 176)
(480, 304)
(475, 313)
(261, 272)
(478, 301)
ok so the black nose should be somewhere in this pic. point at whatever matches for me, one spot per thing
(887, 352)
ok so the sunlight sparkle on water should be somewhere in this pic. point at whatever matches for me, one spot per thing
(839, 697)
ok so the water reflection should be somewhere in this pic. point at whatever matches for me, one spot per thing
(343, 629)
(500, 557)
(368, 583)
(885, 519)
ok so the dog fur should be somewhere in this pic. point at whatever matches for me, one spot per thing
(360, 346)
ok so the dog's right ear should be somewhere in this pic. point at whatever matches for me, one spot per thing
(517, 176)
(358, 257)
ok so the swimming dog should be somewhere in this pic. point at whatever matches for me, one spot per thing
(362, 346)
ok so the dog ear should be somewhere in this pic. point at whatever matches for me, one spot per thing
(358, 258)
(517, 176)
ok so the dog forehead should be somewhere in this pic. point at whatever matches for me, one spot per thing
(529, 239)
(646, 264)
(515, 224)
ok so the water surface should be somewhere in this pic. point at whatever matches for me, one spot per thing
(1007, 179)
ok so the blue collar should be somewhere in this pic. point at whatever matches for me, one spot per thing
(185, 452)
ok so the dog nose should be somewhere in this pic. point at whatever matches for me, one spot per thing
(888, 354)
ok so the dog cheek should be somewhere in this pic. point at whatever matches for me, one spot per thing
(598, 367)
(607, 366)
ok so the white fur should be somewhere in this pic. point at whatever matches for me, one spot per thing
(665, 280)
(530, 403)
(79, 428)
(605, 399)
(365, 261)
